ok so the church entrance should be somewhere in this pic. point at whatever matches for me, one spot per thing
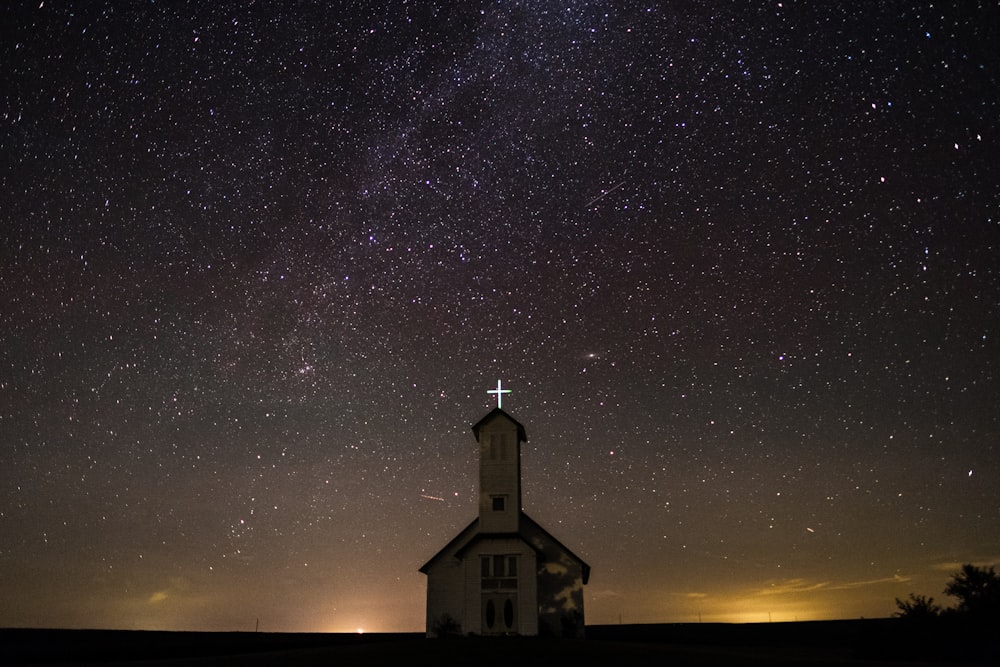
(499, 587)
(499, 613)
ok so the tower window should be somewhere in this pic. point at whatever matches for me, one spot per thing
(498, 447)
(499, 503)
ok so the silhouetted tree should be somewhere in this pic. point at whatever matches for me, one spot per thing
(966, 632)
(977, 590)
(917, 608)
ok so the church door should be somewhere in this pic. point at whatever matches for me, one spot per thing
(499, 613)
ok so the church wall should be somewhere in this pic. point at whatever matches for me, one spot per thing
(560, 589)
(560, 599)
(472, 595)
(549, 603)
(529, 596)
(446, 595)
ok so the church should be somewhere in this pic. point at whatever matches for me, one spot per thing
(504, 574)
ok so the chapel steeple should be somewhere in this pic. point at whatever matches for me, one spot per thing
(500, 437)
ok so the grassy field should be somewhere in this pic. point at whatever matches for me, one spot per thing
(856, 643)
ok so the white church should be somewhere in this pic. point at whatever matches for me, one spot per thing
(504, 574)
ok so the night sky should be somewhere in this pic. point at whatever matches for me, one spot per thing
(738, 262)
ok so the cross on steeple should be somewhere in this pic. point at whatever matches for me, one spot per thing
(499, 391)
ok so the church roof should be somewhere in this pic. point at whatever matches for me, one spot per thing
(470, 535)
(522, 435)
(464, 535)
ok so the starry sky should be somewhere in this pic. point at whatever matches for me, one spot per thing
(261, 262)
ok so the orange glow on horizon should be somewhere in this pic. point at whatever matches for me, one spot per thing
(772, 601)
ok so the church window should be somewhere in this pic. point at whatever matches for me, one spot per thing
(498, 447)
(498, 572)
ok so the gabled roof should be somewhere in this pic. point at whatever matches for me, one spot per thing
(522, 435)
(464, 535)
(470, 535)
(495, 536)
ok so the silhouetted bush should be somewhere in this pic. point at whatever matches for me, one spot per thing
(446, 627)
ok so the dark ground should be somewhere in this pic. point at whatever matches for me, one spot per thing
(863, 643)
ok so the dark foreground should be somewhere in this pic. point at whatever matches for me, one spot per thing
(858, 643)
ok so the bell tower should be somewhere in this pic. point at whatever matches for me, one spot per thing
(499, 436)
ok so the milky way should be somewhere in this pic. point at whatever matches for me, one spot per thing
(260, 265)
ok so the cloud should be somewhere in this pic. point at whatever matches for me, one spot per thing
(158, 596)
(947, 567)
(603, 595)
(894, 579)
(954, 567)
(791, 586)
(795, 586)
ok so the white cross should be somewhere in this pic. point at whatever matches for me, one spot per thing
(499, 391)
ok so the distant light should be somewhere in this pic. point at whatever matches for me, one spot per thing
(361, 631)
